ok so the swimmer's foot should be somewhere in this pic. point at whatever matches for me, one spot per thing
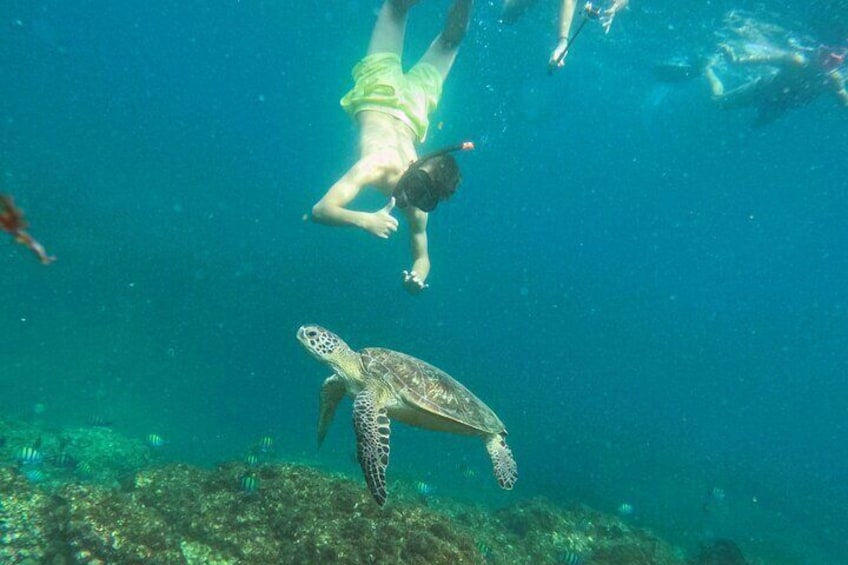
(457, 22)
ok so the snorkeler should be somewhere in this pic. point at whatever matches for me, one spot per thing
(789, 79)
(392, 109)
(761, 65)
(513, 9)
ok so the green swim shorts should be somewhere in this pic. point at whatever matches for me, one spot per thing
(382, 86)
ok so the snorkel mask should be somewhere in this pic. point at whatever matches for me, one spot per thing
(431, 179)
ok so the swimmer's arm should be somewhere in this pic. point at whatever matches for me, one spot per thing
(608, 15)
(331, 209)
(776, 58)
(838, 82)
(566, 16)
(414, 279)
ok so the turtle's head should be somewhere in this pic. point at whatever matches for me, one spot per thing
(324, 345)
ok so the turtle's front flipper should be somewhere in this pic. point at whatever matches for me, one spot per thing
(332, 391)
(371, 423)
(506, 471)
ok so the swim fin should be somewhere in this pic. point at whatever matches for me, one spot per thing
(514, 9)
(678, 69)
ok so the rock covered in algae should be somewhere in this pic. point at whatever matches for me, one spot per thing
(25, 524)
(185, 515)
(108, 525)
(298, 515)
(105, 456)
(90, 454)
(180, 514)
(535, 531)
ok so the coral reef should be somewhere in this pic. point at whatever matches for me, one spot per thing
(88, 454)
(26, 527)
(89, 496)
(536, 531)
(184, 515)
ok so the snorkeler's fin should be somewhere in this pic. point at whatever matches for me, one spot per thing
(679, 69)
(514, 9)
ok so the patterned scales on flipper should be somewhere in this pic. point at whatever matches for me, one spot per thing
(430, 389)
(503, 463)
(372, 442)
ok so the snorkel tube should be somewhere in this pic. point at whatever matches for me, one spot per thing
(430, 179)
(464, 146)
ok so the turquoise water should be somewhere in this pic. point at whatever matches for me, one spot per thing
(649, 292)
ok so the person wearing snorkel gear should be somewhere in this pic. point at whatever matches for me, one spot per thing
(792, 78)
(392, 108)
(514, 9)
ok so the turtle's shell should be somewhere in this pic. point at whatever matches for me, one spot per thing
(429, 389)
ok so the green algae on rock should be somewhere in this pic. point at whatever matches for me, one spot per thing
(180, 514)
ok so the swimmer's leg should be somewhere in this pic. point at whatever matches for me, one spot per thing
(442, 52)
(716, 86)
(388, 32)
(749, 94)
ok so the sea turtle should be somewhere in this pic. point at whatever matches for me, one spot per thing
(388, 384)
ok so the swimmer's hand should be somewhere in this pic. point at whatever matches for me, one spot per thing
(413, 283)
(558, 55)
(381, 223)
(606, 18)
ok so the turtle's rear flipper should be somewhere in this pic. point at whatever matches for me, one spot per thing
(506, 471)
(372, 442)
(332, 391)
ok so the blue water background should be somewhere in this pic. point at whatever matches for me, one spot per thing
(649, 292)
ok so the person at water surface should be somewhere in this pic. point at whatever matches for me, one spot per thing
(392, 109)
(514, 9)
(790, 78)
